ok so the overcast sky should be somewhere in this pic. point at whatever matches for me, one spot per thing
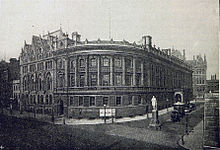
(184, 24)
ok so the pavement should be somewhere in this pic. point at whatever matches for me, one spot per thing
(71, 121)
(194, 140)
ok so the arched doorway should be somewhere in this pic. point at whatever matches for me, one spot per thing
(178, 97)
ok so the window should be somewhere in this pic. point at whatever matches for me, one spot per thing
(129, 100)
(118, 79)
(72, 64)
(139, 100)
(60, 80)
(93, 80)
(82, 80)
(72, 80)
(138, 79)
(93, 62)
(118, 101)
(71, 101)
(105, 62)
(50, 99)
(128, 80)
(49, 65)
(81, 63)
(59, 64)
(92, 101)
(129, 63)
(42, 99)
(105, 101)
(105, 80)
(117, 62)
(80, 101)
(46, 99)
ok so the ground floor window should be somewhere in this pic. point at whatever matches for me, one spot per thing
(80, 101)
(105, 101)
(129, 100)
(92, 101)
(139, 100)
(71, 101)
(118, 101)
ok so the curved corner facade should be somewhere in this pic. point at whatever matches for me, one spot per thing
(75, 78)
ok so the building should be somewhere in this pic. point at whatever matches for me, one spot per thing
(9, 71)
(77, 78)
(16, 91)
(199, 67)
(213, 84)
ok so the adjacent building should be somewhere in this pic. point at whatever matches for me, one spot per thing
(213, 84)
(199, 67)
(64, 74)
(9, 71)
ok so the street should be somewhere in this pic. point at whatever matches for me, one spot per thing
(29, 133)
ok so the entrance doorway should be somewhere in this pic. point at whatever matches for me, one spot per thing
(61, 107)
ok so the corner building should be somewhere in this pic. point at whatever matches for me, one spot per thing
(76, 78)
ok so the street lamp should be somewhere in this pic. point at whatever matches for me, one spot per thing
(104, 113)
(167, 104)
(187, 122)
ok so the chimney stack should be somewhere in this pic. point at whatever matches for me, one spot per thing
(146, 42)
(76, 37)
(184, 55)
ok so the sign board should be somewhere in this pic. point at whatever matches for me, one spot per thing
(108, 112)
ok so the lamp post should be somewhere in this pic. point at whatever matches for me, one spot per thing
(104, 113)
(167, 104)
(187, 123)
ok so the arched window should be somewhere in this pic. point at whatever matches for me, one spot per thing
(105, 62)
(42, 99)
(59, 64)
(48, 81)
(93, 62)
(82, 63)
(47, 99)
(50, 99)
(73, 64)
(60, 80)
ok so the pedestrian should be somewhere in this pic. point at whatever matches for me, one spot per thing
(147, 111)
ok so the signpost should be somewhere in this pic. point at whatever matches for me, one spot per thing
(107, 112)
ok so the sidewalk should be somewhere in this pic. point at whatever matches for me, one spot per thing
(194, 141)
(70, 121)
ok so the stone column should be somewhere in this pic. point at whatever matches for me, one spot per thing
(142, 73)
(111, 70)
(76, 73)
(86, 71)
(123, 70)
(98, 70)
(66, 71)
(134, 71)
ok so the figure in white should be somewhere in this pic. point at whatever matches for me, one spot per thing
(154, 103)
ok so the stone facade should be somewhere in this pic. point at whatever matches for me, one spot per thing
(213, 84)
(199, 67)
(77, 78)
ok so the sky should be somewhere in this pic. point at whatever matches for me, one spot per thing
(192, 25)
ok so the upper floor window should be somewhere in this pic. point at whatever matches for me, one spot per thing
(73, 64)
(81, 80)
(93, 80)
(117, 62)
(60, 64)
(129, 63)
(106, 62)
(105, 101)
(82, 63)
(72, 80)
(105, 79)
(118, 79)
(93, 62)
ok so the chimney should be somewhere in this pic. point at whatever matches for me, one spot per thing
(148, 42)
(144, 41)
(76, 37)
(184, 55)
